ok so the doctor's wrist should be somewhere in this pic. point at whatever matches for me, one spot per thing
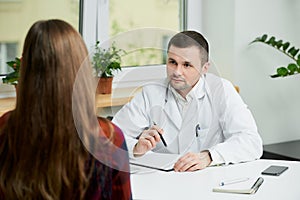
(217, 159)
(136, 153)
(208, 158)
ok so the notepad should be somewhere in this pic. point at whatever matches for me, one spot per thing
(246, 187)
(154, 161)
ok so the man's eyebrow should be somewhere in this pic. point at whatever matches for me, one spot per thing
(187, 63)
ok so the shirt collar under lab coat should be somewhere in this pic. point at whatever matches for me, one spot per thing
(197, 91)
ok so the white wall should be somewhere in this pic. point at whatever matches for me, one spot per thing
(230, 25)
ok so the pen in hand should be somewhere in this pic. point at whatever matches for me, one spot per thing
(161, 137)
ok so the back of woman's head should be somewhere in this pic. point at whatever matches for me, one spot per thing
(41, 155)
(52, 55)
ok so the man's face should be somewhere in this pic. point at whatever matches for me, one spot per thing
(184, 68)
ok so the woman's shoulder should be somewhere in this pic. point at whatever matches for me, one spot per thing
(111, 131)
(4, 118)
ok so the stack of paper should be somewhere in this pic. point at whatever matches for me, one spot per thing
(153, 161)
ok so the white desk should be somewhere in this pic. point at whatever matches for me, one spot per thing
(198, 185)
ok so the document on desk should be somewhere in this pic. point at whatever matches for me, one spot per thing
(154, 161)
(249, 186)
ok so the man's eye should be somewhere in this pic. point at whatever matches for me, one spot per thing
(172, 62)
(187, 65)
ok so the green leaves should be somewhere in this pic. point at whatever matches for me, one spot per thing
(105, 61)
(13, 77)
(284, 47)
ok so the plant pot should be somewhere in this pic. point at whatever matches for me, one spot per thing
(104, 85)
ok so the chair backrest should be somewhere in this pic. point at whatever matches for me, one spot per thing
(237, 88)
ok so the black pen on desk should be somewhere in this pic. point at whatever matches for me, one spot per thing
(161, 137)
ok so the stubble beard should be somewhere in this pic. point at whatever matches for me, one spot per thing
(181, 86)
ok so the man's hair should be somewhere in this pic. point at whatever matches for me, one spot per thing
(186, 39)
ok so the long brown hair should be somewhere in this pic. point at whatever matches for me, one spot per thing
(41, 154)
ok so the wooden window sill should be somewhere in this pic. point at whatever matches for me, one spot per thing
(119, 97)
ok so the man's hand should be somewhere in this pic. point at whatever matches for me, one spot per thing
(193, 161)
(147, 140)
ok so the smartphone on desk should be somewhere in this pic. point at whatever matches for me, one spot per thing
(274, 170)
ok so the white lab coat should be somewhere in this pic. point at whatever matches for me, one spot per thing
(226, 126)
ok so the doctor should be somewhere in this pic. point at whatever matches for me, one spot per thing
(192, 113)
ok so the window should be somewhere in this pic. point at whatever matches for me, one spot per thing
(16, 17)
(8, 51)
(101, 20)
(133, 19)
(128, 24)
(13, 31)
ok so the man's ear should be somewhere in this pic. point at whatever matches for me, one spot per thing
(205, 67)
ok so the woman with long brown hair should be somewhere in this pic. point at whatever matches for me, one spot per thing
(50, 145)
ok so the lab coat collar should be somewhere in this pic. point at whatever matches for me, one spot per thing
(199, 89)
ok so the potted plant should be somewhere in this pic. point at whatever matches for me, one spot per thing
(13, 77)
(285, 48)
(105, 61)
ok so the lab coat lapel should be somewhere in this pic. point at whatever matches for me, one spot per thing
(194, 116)
(172, 111)
(187, 134)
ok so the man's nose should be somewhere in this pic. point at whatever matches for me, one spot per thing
(178, 70)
